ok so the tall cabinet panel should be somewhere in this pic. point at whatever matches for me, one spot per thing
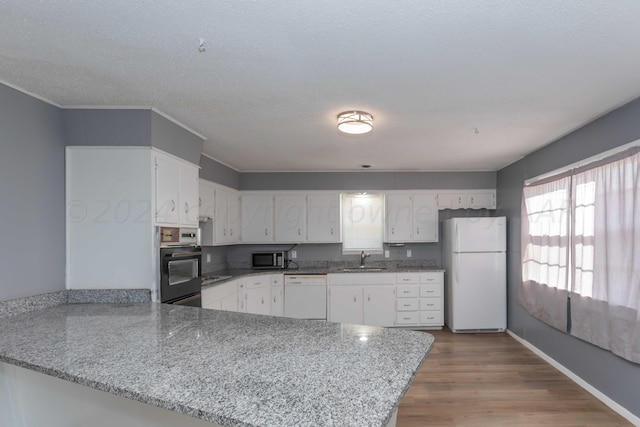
(109, 194)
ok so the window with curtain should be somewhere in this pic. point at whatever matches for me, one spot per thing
(589, 261)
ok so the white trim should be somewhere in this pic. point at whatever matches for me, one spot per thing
(31, 94)
(584, 162)
(579, 381)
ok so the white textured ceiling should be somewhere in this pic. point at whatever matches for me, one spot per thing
(275, 74)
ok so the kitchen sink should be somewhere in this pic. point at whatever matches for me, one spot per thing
(355, 269)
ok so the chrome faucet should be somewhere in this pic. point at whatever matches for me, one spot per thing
(362, 258)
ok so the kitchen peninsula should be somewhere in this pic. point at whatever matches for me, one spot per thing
(229, 369)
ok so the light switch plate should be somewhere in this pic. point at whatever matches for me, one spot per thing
(294, 254)
(408, 253)
(208, 258)
(386, 253)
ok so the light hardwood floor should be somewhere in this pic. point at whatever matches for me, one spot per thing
(493, 380)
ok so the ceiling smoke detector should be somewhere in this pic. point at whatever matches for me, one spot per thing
(355, 122)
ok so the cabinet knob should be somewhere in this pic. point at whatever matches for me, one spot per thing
(186, 208)
(266, 231)
(417, 230)
(231, 232)
(199, 201)
(332, 231)
(173, 205)
(298, 231)
(274, 299)
(354, 298)
(393, 230)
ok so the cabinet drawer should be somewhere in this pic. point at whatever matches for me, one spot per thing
(256, 282)
(434, 290)
(407, 278)
(431, 318)
(406, 304)
(407, 291)
(407, 318)
(431, 277)
(431, 304)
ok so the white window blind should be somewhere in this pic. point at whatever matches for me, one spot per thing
(362, 223)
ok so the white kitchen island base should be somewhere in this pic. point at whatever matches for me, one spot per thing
(32, 399)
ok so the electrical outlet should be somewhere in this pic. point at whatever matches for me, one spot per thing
(294, 254)
(208, 258)
(386, 253)
(408, 253)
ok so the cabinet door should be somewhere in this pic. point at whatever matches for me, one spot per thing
(277, 294)
(233, 217)
(345, 304)
(220, 219)
(379, 305)
(425, 218)
(451, 200)
(399, 212)
(257, 218)
(481, 200)
(290, 218)
(206, 200)
(257, 300)
(323, 218)
(229, 303)
(189, 200)
(167, 191)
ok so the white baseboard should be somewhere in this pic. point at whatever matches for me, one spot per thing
(582, 383)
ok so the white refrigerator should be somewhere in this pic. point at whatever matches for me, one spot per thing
(474, 258)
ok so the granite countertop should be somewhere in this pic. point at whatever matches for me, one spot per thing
(233, 369)
(230, 274)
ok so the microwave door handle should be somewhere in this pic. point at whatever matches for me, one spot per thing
(275, 259)
(185, 254)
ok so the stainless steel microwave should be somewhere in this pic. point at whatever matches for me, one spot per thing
(269, 260)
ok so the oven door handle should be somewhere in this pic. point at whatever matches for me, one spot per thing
(185, 254)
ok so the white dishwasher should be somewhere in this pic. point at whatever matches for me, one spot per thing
(305, 296)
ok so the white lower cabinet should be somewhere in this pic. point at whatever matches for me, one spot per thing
(419, 300)
(361, 298)
(277, 295)
(221, 297)
(254, 294)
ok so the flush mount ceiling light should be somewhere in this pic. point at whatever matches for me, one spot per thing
(355, 122)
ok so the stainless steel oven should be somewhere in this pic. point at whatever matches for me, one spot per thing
(180, 267)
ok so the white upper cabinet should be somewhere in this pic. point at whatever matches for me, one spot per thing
(425, 218)
(399, 217)
(323, 218)
(220, 213)
(189, 196)
(167, 190)
(411, 218)
(257, 217)
(207, 199)
(469, 199)
(290, 218)
(176, 188)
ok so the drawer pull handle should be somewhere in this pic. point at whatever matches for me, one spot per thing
(407, 305)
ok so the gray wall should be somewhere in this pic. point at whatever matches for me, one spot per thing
(174, 139)
(105, 127)
(130, 128)
(217, 172)
(367, 180)
(32, 224)
(613, 376)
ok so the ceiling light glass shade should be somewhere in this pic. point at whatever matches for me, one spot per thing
(355, 122)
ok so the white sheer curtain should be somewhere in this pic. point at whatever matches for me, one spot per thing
(545, 250)
(605, 278)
